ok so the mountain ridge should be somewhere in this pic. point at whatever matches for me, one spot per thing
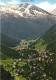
(29, 26)
(47, 41)
(22, 9)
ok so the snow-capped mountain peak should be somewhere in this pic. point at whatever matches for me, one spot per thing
(23, 10)
(25, 20)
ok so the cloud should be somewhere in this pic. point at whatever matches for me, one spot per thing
(1, 3)
(46, 6)
(13, 2)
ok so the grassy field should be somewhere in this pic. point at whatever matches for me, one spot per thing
(22, 63)
(5, 62)
(40, 45)
(20, 78)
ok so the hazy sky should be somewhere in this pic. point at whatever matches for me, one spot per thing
(44, 4)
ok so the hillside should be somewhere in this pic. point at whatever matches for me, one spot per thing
(25, 21)
(7, 53)
(50, 39)
(8, 41)
(5, 75)
(47, 41)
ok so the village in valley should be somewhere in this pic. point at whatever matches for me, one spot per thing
(32, 65)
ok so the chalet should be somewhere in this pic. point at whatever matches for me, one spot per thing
(34, 54)
(25, 60)
(28, 78)
(34, 64)
(50, 54)
(44, 75)
(34, 73)
(34, 68)
(28, 60)
(39, 59)
(51, 60)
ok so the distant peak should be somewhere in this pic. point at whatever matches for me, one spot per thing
(24, 5)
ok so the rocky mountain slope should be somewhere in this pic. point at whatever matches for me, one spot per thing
(25, 21)
(53, 12)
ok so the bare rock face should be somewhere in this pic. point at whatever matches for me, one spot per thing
(25, 21)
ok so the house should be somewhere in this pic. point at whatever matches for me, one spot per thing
(44, 75)
(39, 59)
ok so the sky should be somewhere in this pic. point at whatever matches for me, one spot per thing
(47, 5)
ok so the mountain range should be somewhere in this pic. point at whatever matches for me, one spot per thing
(25, 21)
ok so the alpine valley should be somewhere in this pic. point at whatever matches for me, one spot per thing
(28, 43)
